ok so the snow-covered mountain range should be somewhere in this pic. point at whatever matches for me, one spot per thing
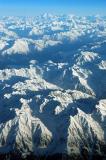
(53, 86)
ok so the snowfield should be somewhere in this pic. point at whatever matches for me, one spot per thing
(53, 86)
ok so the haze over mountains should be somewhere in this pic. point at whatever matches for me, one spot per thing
(53, 86)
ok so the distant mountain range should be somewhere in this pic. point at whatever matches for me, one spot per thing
(53, 87)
